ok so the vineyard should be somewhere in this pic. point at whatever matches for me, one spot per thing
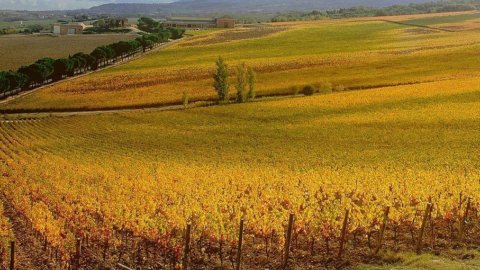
(126, 186)
(354, 54)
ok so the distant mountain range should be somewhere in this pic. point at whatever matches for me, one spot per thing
(239, 6)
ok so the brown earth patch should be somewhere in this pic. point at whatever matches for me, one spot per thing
(455, 27)
(233, 35)
(421, 31)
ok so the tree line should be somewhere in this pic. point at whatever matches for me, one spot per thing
(354, 12)
(48, 70)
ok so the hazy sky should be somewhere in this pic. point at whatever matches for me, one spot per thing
(64, 4)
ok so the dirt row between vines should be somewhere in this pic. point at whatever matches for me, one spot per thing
(29, 252)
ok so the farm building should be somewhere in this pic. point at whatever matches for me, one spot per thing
(68, 29)
(191, 22)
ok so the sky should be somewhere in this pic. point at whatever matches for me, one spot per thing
(64, 4)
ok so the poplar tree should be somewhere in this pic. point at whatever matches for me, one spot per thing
(252, 80)
(241, 83)
(221, 80)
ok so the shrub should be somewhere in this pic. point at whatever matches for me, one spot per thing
(185, 99)
(295, 90)
(309, 90)
(339, 88)
(325, 88)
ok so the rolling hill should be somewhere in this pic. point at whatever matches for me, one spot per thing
(229, 6)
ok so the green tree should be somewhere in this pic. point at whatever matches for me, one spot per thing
(47, 67)
(82, 61)
(220, 78)
(17, 80)
(60, 68)
(176, 32)
(148, 24)
(164, 35)
(252, 80)
(100, 23)
(241, 82)
(35, 74)
(100, 56)
(4, 82)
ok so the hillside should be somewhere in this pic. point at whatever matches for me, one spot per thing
(143, 175)
(232, 6)
(378, 169)
(353, 54)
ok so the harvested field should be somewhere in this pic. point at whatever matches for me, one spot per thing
(18, 50)
(232, 35)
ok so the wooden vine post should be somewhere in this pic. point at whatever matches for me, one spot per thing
(426, 216)
(382, 230)
(239, 248)
(78, 253)
(343, 234)
(288, 240)
(186, 251)
(12, 255)
(463, 222)
(123, 267)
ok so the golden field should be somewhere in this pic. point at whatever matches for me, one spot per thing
(127, 183)
(149, 173)
(353, 53)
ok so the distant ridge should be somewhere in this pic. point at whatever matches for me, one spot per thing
(244, 6)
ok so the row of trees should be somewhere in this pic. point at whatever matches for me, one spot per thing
(245, 82)
(152, 26)
(48, 70)
(362, 11)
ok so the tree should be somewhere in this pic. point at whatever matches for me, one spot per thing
(118, 49)
(100, 23)
(125, 48)
(220, 78)
(4, 82)
(148, 24)
(74, 64)
(90, 61)
(109, 52)
(100, 56)
(176, 32)
(33, 73)
(252, 80)
(81, 60)
(17, 80)
(133, 46)
(149, 44)
(241, 82)
(164, 35)
(142, 40)
(34, 28)
(46, 67)
(60, 68)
